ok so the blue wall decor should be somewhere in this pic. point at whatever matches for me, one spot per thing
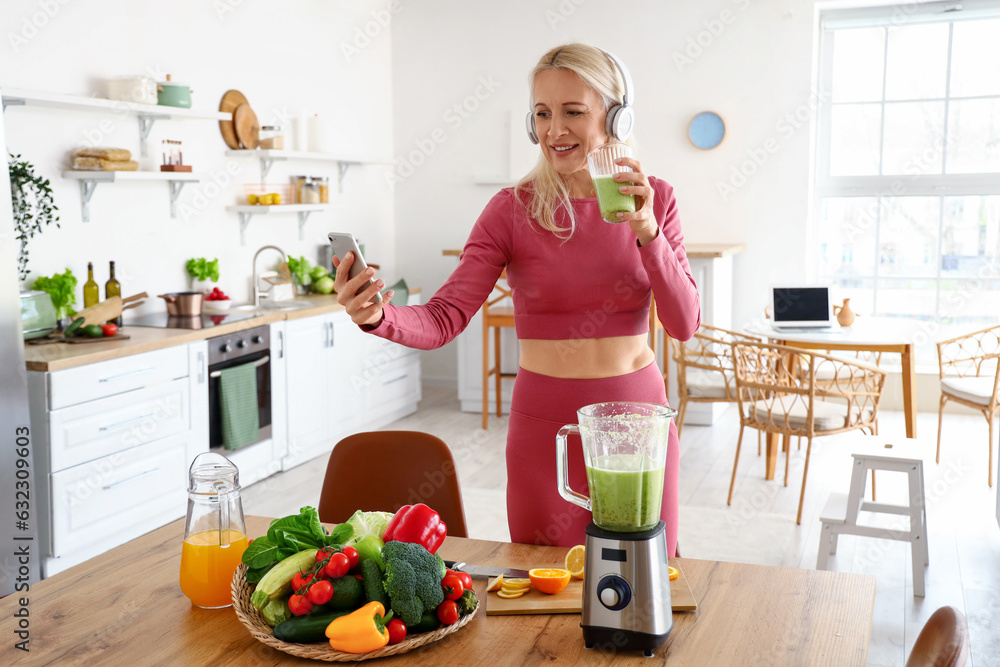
(707, 130)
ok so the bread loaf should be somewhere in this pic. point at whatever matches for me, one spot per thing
(117, 154)
(98, 164)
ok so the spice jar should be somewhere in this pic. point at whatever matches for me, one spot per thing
(297, 183)
(323, 183)
(310, 191)
(272, 137)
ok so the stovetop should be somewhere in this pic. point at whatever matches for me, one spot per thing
(204, 321)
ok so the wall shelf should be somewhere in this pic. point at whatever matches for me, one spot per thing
(146, 113)
(247, 211)
(90, 179)
(268, 157)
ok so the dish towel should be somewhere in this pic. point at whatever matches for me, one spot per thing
(238, 396)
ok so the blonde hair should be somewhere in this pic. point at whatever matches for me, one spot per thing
(543, 184)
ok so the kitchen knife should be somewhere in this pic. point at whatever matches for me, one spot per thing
(485, 570)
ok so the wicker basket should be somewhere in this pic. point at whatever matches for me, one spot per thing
(251, 617)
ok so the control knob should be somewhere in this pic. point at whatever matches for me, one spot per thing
(614, 592)
(226, 347)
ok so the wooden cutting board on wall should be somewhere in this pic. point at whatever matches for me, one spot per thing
(570, 599)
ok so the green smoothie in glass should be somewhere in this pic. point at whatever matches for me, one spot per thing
(624, 497)
(610, 200)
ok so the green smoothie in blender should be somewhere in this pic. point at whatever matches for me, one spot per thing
(624, 497)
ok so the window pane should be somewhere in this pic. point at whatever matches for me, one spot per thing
(854, 139)
(906, 297)
(860, 292)
(917, 61)
(913, 138)
(975, 58)
(971, 302)
(908, 238)
(974, 135)
(970, 247)
(857, 64)
(846, 236)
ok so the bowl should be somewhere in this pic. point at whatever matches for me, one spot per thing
(221, 304)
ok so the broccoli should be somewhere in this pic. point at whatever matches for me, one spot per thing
(371, 577)
(412, 580)
(467, 603)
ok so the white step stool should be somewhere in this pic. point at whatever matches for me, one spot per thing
(840, 515)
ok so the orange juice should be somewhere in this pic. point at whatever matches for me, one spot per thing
(207, 567)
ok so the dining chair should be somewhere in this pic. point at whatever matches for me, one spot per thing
(943, 641)
(970, 376)
(384, 470)
(705, 368)
(776, 398)
(495, 318)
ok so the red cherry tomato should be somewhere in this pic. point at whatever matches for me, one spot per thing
(300, 605)
(397, 631)
(320, 592)
(447, 612)
(338, 566)
(301, 581)
(352, 556)
(466, 579)
(109, 329)
(452, 587)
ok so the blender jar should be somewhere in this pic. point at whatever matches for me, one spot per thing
(214, 533)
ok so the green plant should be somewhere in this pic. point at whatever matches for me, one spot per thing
(200, 268)
(62, 288)
(34, 207)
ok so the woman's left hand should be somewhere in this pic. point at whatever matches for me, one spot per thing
(642, 222)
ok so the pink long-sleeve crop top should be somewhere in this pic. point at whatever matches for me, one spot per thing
(596, 284)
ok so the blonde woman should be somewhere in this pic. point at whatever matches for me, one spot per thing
(581, 290)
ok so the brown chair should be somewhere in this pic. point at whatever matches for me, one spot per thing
(943, 642)
(495, 317)
(705, 368)
(384, 470)
(777, 398)
(970, 375)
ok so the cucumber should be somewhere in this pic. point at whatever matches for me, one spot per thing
(71, 329)
(308, 628)
(428, 622)
(278, 581)
(348, 593)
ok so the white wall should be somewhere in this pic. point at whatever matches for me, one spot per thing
(285, 57)
(749, 61)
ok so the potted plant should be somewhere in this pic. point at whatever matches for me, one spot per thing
(203, 273)
(34, 208)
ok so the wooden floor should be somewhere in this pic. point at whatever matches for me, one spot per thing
(759, 527)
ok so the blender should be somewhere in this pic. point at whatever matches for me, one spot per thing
(626, 583)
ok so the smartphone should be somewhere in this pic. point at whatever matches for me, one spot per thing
(344, 243)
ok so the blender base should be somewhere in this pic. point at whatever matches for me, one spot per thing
(610, 640)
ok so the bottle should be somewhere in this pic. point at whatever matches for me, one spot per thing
(113, 288)
(91, 293)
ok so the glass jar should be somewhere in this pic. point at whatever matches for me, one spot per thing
(297, 183)
(323, 183)
(310, 191)
(272, 137)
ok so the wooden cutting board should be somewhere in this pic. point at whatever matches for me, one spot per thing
(230, 100)
(246, 126)
(570, 599)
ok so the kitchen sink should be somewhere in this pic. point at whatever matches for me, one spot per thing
(266, 305)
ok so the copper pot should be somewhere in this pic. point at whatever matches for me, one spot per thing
(183, 304)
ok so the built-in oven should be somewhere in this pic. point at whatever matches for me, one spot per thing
(251, 346)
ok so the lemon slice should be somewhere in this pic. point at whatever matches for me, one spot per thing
(515, 581)
(673, 572)
(575, 561)
(507, 586)
(495, 584)
(511, 595)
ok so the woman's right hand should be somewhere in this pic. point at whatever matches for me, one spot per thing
(361, 306)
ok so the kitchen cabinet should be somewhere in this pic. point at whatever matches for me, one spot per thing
(114, 442)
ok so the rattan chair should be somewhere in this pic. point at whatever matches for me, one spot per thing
(776, 397)
(970, 375)
(495, 318)
(705, 368)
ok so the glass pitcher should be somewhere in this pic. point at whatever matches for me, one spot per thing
(214, 534)
(625, 453)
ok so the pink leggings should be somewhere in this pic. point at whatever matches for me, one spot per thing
(536, 513)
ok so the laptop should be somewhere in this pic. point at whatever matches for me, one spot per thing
(801, 308)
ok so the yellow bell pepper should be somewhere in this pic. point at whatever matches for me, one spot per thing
(361, 631)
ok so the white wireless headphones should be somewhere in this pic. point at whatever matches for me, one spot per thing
(620, 119)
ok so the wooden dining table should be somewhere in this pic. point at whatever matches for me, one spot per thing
(125, 607)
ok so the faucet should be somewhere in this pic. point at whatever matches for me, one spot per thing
(257, 293)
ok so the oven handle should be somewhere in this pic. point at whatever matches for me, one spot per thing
(257, 364)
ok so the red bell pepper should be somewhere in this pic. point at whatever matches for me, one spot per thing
(418, 524)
